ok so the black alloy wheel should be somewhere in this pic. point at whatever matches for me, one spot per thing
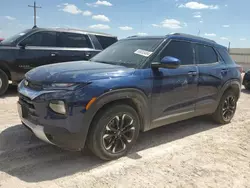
(118, 133)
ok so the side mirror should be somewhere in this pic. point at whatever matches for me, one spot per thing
(167, 62)
(22, 45)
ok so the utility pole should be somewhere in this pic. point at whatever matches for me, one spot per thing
(34, 7)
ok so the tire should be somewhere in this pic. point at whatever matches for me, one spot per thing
(104, 135)
(247, 86)
(222, 108)
(4, 82)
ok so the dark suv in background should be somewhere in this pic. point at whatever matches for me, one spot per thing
(136, 84)
(39, 46)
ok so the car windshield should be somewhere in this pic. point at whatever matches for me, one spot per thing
(13, 38)
(128, 53)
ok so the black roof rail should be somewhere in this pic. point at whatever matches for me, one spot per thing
(194, 37)
(132, 36)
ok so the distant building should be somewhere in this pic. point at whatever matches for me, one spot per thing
(241, 56)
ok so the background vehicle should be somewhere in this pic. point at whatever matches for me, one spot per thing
(136, 84)
(38, 46)
(246, 80)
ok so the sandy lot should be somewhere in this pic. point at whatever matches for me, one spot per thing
(193, 153)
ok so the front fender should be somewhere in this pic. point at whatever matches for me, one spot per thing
(139, 98)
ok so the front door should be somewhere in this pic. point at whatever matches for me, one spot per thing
(39, 50)
(174, 90)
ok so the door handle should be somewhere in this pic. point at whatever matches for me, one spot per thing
(88, 54)
(192, 73)
(53, 54)
(224, 71)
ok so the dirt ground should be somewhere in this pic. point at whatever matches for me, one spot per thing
(193, 153)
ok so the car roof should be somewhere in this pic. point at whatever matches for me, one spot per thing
(71, 30)
(184, 36)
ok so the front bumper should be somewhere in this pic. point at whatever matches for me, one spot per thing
(66, 131)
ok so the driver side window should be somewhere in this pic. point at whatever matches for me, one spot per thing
(181, 50)
(46, 39)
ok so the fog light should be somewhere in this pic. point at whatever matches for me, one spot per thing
(58, 107)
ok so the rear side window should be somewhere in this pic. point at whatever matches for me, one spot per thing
(225, 56)
(205, 54)
(181, 50)
(74, 40)
(44, 38)
(106, 41)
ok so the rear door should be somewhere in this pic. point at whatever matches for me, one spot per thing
(212, 74)
(75, 46)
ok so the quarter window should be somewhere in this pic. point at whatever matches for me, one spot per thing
(206, 54)
(181, 50)
(74, 40)
(106, 41)
(46, 38)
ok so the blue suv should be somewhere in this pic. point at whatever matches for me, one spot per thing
(136, 84)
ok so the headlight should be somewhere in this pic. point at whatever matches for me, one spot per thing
(67, 86)
(58, 107)
(62, 85)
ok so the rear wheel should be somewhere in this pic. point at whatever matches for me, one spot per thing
(226, 109)
(4, 82)
(114, 132)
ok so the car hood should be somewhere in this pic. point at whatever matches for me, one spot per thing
(78, 71)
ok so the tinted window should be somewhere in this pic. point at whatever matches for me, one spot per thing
(181, 50)
(46, 38)
(74, 40)
(106, 41)
(225, 56)
(14, 38)
(206, 54)
(129, 53)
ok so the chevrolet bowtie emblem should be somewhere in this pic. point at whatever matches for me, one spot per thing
(26, 83)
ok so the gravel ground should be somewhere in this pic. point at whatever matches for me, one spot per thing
(193, 153)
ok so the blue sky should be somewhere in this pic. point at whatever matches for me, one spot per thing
(220, 20)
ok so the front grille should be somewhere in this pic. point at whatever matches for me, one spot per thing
(28, 108)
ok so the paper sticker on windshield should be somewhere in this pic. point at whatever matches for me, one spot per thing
(144, 53)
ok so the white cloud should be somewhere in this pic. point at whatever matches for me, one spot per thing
(197, 16)
(102, 18)
(243, 39)
(210, 34)
(142, 34)
(198, 6)
(223, 38)
(99, 3)
(10, 18)
(201, 21)
(185, 24)
(86, 13)
(156, 25)
(104, 3)
(226, 5)
(71, 8)
(226, 26)
(125, 28)
(99, 26)
(58, 6)
(170, 24)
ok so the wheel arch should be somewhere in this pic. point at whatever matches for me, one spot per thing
(5, 68)
(133, 97)
(233, 85)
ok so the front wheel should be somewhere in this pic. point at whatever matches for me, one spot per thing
(4, 82)
(226, 109)
(114, 132)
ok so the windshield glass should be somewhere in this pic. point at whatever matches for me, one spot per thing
(129, 53)
(13, 38)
